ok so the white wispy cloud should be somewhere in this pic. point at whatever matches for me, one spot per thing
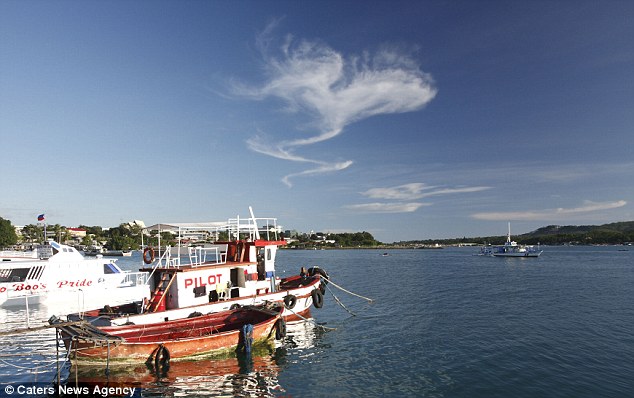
(387, 207)
(416, 190)
(549, 214)
(335, 91)
(403, 194)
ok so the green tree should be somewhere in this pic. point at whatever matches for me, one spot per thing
(223, 236)
(124, 237)
(32, 232)
(96, 233)
(355, 239)
(58, 233)
(8, 236)
(86, 240)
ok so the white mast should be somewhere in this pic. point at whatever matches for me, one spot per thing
(508, 238)
(257, 233)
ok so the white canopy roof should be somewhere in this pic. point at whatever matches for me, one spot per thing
(187, 225)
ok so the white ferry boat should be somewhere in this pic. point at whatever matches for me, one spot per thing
(61, 278)
(511, 249)
(187, 281)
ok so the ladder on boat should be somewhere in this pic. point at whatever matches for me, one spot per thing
(158, 295)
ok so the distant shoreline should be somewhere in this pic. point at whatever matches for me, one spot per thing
(414, 247)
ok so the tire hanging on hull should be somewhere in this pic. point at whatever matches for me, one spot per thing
(318, 298)
(161, 359)
(290, 301)
(280, 329)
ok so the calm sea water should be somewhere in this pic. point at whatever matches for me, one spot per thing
(444, 323)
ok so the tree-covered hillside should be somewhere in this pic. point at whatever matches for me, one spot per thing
(614, 233)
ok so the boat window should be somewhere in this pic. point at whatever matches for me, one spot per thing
(110, 269)
(14, 275)
(268, 254)
(200, 291)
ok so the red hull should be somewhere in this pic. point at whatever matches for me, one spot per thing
(210, 334)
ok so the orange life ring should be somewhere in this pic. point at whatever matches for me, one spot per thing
(148, 255)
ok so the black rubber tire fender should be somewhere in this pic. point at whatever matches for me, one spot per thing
(318, 298)
(290, 301)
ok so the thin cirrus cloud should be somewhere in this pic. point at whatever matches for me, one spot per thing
(387, 207)
(416, 190)
(402, 195)
(549, 214)
(334, 91)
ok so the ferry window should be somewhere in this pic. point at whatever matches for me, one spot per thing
(109, 269)
(14, 275)
(268, 254)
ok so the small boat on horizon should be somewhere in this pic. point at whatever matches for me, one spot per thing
(99, 250)
(510, 249)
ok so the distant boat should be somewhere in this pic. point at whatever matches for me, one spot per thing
(511, 249)
(485, 251)
(93, 250)
(117, 253)
(434, 246)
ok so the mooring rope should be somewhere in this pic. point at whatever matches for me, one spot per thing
(339, 301)
(309, 320)
(349, 292)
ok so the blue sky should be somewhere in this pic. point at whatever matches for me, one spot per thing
(407, 119)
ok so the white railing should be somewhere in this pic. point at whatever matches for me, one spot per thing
(264, 228)
(135, 278)
(17, 254)
(40, 252)
(217, 254)
(248, 228)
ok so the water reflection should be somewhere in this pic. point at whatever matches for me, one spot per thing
(301, 334)
(28, 358)
(237, 376)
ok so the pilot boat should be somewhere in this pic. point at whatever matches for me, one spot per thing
(237, 269)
